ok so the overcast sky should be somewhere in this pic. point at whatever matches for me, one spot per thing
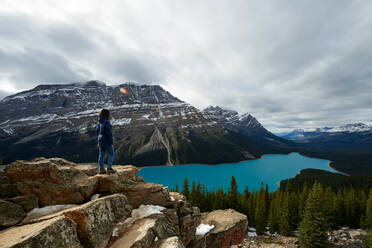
(291, 64)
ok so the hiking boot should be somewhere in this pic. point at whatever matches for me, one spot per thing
(102, 171)
(110, 170)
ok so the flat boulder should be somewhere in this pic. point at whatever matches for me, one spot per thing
(54, 181)
(230, 228)
(119, 181)
(59, 232)
(10, 214)
(147, 194)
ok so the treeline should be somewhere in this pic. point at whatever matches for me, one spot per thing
(328, 179)
(290, 209)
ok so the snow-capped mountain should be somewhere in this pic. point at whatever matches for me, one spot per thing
(355, 127)
(74, 107)
(150, 126)
(349, 137)
(244, 124)
(302, 134)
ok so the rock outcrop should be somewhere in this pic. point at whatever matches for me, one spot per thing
(147, 193)
(346, 237)
(97, 219)
(144, 232)
(230, 228)
(102, 211)
(59, 232)
(54, 181)
(172, 242)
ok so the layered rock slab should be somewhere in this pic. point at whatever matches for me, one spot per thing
(230, 228)
(59, 232)
(53, 181)
(144, 232)
(147, 193)
(124, 177)
(97, 219)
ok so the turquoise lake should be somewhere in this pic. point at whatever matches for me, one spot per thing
(269, 169)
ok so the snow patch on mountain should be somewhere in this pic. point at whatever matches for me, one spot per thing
(121, 121)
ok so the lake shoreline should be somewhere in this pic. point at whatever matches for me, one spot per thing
(270, 169)
(229, 163)
(340, 172)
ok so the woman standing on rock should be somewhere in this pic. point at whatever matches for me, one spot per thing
(105, 142)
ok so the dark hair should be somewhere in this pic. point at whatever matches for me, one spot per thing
(105, 113)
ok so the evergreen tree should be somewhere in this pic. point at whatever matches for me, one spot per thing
(293, 210)
(302, 200)
(198, 195)
(367, 223)
(185, 188)
(252, 208)
(232, 194)
(330, 207)
(267, 195)
(313, 227)
(285, 227)
(340, 211)
(219, 200)
(273, 213)
(246, 193)
(261, 211)
(193, 195)
(176, 188)
(243, 203)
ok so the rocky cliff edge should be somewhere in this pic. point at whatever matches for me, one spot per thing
(56, 203)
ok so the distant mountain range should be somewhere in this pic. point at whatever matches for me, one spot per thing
(349, 136)
(151, 127)
(301, 134)
(349, 147)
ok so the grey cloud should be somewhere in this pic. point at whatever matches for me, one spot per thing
(290, 64)
(31, 67)
(72, 40)
(3, 94)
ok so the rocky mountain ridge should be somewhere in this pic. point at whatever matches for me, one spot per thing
(244, 124)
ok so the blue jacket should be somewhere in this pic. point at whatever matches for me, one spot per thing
(104, 134)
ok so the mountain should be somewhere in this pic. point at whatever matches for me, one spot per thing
(244, 124)
(150, 126)
(349, 147)
(297, 134)
(349, 136)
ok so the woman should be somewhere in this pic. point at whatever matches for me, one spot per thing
(105, 142)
